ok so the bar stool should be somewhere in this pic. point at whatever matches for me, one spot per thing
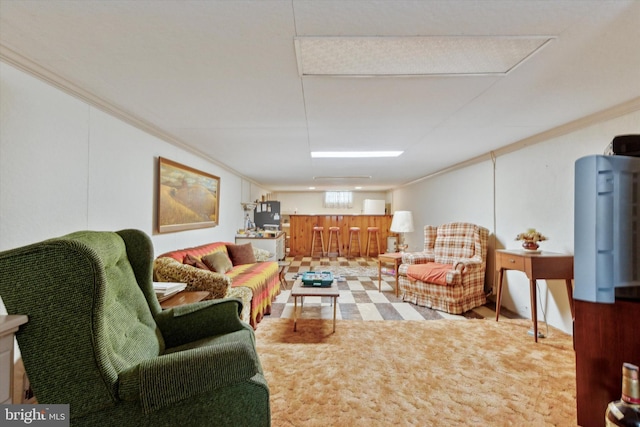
(335, 231)
(354, 232)
(370, 232)
(317, 230)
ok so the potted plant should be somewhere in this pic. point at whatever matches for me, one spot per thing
(530, 239)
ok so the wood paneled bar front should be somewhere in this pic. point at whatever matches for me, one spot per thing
(301, 230)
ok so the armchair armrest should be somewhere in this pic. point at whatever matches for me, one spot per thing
(468, 264)
(166, 269)
(174, 377)
(417, 257)
(191, 322)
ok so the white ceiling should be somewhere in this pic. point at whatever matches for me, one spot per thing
(222, 78)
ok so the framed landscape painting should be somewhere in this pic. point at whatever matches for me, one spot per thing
(187, 198)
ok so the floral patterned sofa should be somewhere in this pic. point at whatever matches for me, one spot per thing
(226, 270)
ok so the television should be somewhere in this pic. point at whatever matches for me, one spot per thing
(607, 228)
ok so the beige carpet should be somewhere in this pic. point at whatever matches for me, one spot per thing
(435, 373)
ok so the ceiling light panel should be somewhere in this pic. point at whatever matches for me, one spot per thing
(354, 154)
(428, 55)
(341, 177)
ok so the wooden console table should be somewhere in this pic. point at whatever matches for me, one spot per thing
(542, 265)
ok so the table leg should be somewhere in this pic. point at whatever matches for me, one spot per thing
(534, 309)
(379, 276)
(499, 293)
(335, 303)
(295, 312)
(570, 295)
(397, 266)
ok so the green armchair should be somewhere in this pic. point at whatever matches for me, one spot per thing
(98, 339)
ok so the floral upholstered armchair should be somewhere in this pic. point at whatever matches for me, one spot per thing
(449, 274)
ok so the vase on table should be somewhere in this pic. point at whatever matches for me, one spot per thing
(530, 246)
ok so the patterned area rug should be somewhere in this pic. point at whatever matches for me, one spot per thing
(347, 271)
(360, 298)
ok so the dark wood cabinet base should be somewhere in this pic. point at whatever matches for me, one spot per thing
(605, 336)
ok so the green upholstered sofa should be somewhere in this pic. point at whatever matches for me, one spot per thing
(98, 340)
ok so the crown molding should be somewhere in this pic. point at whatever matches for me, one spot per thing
(36, 70)
(619, 110)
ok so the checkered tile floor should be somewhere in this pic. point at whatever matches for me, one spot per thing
(360, 299)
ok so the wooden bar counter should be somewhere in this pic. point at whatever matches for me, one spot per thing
(302, 225)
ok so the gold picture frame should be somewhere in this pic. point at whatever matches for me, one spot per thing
(187, 198)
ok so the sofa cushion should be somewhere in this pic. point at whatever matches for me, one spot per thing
(430, 272)
(218, 262)
(261, 255)
(194, 262)
(167, 269)
(241, 254)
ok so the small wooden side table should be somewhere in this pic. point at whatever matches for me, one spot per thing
(9, 325)
(394, 258)
(540, 265)
(184, 297)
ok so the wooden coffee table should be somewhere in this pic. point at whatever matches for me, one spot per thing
(297, 290)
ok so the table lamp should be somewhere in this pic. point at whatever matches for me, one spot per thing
(402, 223)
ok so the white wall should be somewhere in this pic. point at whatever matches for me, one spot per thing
(464, 196)
(533, 188)
(67, 166)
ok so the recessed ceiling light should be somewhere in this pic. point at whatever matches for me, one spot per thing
(414, 56)
(341, 177)
(358, 188)
(312, 188)
(351, 154)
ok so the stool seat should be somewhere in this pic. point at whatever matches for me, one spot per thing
(354, 233)
(373, 231)
(317, 230)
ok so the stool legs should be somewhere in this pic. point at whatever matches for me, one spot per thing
(354, 234)
(335, 231)
(317, 231)
(377, 242)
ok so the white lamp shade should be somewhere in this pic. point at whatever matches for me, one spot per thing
(402, 222)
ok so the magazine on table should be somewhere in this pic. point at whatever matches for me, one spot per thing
(165, 290)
